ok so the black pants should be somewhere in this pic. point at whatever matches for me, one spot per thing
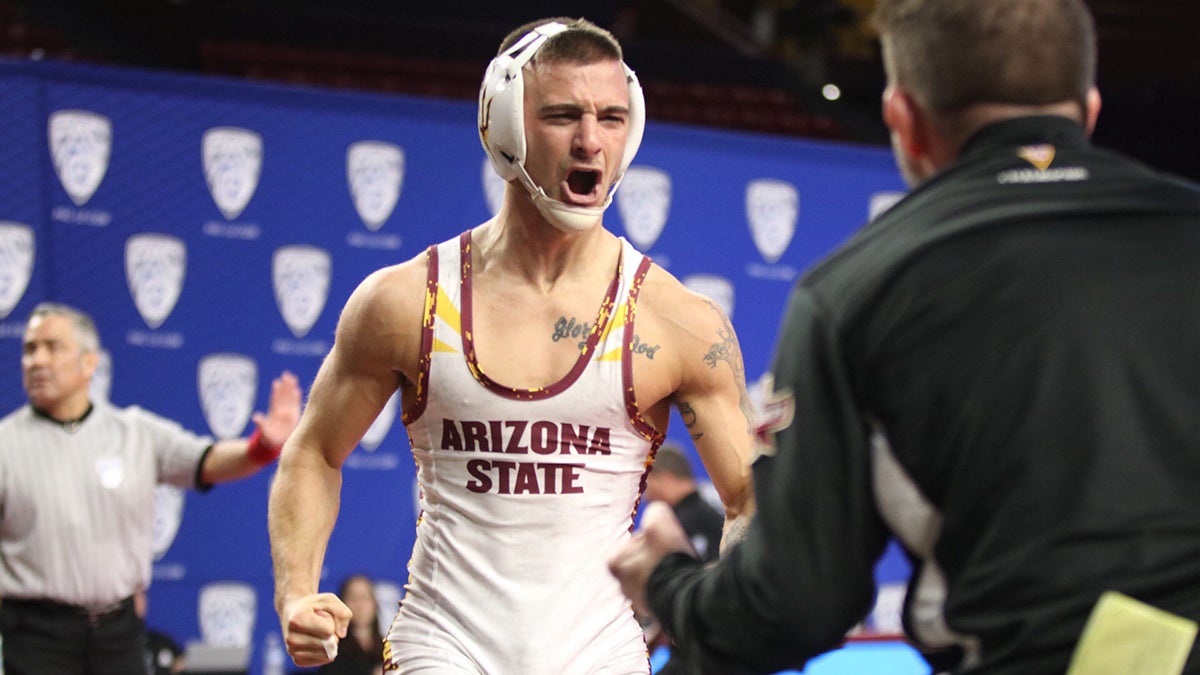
(43, 637)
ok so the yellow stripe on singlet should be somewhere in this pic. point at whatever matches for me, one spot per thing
(617, 322)
(446, 311)
(449, 314)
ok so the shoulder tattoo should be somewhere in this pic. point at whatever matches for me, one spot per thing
(726, 350)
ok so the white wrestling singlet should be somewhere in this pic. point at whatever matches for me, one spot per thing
(524, 496)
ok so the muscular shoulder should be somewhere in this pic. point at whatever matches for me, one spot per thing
(676, 313)
(387, 293)
(691, 332)
(382, 318)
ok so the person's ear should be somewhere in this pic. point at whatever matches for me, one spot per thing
(1092, 111)
(91, 361)
(905, 119)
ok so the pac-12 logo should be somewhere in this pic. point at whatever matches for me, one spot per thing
(16, 264)
(387, 600)
(101, 383)
(301, 277)
(881, 202)
(644, 200)
(80, 147)
(155, 265)
(168, 513)
(227, 610)
(227, 383)
(714, 287)
(375, 172)
(381, 426)
(772, 207)
(493, 187)
(232, 160)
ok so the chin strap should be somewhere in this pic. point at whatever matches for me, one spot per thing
(565, 217)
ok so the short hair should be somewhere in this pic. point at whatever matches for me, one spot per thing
(670, 459)
(951, 54)
(351, 578)
(582, 42)
(85, 328)
(376, 629)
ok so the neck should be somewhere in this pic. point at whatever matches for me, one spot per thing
(524, 244)
(66, 414)
(957, 128)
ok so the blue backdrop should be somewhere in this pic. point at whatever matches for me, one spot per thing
(215, 228)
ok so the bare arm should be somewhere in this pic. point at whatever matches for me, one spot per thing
(229, 460)
(715, 406)
(352, 386)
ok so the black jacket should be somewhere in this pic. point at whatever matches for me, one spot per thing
(1002, 371)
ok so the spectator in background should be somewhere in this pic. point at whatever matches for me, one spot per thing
(77, 482)
(673, 481)
(164, 656)
(361, 651)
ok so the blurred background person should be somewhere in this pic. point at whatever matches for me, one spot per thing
(361, 651)
(77, 481)
(164, 656)
(673, 481)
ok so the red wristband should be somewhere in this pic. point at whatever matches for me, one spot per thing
(259, 450)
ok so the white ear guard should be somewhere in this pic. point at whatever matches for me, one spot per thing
(502, 123)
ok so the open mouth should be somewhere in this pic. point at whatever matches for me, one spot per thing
(581, 184)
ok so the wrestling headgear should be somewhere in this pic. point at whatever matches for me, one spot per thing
(502, 128)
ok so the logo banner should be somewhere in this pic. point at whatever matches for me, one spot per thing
(80, 147)
(381, 426)
(16, 264)
(301, 277)
(772, 207)
(716, 288)
(232, 160)
(168, 514)
(375, 171)
(226, 612)
(228, 384)
(493, 187)
(155, 265)
(644, 200)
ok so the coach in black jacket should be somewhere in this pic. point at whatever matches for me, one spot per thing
(1003, 372)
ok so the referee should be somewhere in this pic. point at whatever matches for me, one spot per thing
(77, 482)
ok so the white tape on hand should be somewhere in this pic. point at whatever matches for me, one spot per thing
(330, 644)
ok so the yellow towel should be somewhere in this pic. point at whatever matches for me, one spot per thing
(1124, 636)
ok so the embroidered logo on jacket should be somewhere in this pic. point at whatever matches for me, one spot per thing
(1040, 156)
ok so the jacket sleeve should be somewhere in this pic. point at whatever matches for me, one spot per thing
(804, 575)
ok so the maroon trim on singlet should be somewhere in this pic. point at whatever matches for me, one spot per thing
(541, 393)
(639, 422)
(650, 457)
(431, 293)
